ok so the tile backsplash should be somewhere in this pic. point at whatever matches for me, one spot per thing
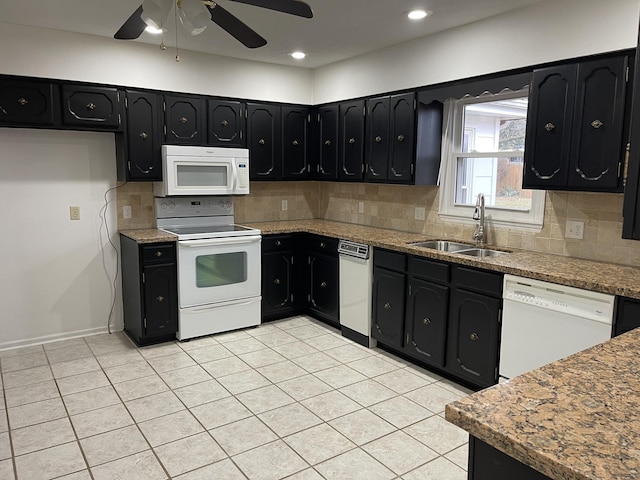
(393, 206)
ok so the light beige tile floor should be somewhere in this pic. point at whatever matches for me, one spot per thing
(290, 399)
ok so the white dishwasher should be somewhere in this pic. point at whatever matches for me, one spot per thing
(543, 322)
(356, 287)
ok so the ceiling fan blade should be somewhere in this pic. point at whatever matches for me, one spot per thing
(132, 28)
(237, 29)
(293, 7)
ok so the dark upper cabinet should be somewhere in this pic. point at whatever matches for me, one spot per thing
(377, 139)
(263, 141)
(226, 123)
(325, 142)
(575, 126)
(631, 208)
(295, 143)
(351, 141)
(390, 138)
(27, 103)
(138, 150)
(428, 139)
(184, 120)
(95, 108)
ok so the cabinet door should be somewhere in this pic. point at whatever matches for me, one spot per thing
(473, 337)
(99, 108)
(388, 306)
(184, 120)
(277, 282)
(548, 142)
(351, 141)
(226, 125)
(144, 136)
(427, 314)
(403, 138)
(295, 163)
(627, 315)
(160, 299)
(324, 286)
(597, 126)
(377, 139)
(26, 103)
(327, 146)
(263, 141)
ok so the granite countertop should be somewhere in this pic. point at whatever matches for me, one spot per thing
(574, 419)
(590, 275)
(149, 235)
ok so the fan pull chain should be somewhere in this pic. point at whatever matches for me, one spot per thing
(175, 16)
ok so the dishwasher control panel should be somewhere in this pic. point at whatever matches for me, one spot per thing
(354, 249)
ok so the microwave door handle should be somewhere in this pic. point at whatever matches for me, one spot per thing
(234, 175)
(219, 241)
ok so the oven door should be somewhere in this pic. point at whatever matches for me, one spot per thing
(218, 270)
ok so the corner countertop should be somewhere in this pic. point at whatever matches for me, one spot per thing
(575, 419)
(589, 275)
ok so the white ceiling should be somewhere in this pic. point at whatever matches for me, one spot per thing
(340, 29)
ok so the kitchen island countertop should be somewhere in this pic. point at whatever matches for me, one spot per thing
(574, 419)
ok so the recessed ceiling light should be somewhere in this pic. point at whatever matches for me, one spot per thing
(419, 14)
(154, 30)
(298, 55)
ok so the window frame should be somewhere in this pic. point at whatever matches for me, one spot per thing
(453, 118)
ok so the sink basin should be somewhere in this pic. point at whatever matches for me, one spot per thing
(442, 245)
(481, 252)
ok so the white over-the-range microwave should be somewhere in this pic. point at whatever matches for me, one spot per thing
(189, 170)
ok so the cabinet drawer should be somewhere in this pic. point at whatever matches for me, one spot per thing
(277, 243)
(325, 245)
(159, 253)
(429, 269)
(481, 281)
(390, 260)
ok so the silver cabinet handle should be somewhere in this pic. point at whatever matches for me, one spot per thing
(295, 143)
(22, 101)
(183, 119)
(387, 306)
(352, 141)
(596, 124)
(277, 281)
(261, 141)
(322, 244)
(278, 243)
(378, 139)
(327, 142)
(426, 321)
(401, 138)
(323, 284)
(474, 336)
(224, 123)
(158, 254)
(549, 127)
(143, 136)
(160, 298)
(91, 106)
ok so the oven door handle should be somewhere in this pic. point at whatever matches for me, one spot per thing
(210, 242)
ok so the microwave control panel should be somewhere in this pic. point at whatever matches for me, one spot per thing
(243, 175)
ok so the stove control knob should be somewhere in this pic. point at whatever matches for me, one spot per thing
(163, 205)
(172, 205)
(227, 204)
(221, 204)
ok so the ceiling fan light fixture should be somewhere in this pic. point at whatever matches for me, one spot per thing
(298, 55)
(155, 12)
(153, 30)
(419, 14)
(194, 16)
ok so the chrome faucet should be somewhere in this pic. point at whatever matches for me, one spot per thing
(478, 214)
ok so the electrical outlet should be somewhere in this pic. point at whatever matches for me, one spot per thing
(419, 213)
(74, 213)
(574, 229)
(126, 211)
(285, 205)
(360, 207)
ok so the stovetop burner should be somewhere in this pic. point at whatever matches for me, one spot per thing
(211, 231)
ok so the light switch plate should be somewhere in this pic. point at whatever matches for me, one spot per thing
(574, 229)
(360, 207)
(74, 213)
(126, 211)
(285, 205)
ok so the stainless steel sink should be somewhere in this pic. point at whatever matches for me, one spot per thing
(481, 252)
(442, 245)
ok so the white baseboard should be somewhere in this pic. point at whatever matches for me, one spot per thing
(27, 342)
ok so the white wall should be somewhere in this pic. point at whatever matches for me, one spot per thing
(53, 283)
(544, 32)
(39, 52)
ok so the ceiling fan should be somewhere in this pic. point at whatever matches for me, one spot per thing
(195, 16)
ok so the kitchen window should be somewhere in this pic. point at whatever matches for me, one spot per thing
(483, 151)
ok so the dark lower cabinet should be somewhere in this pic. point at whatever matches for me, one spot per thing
(281, 294)
(489, 463)
(627, 315)
(323, 277)
(27, 103)
(442, 315)
(149, 290)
